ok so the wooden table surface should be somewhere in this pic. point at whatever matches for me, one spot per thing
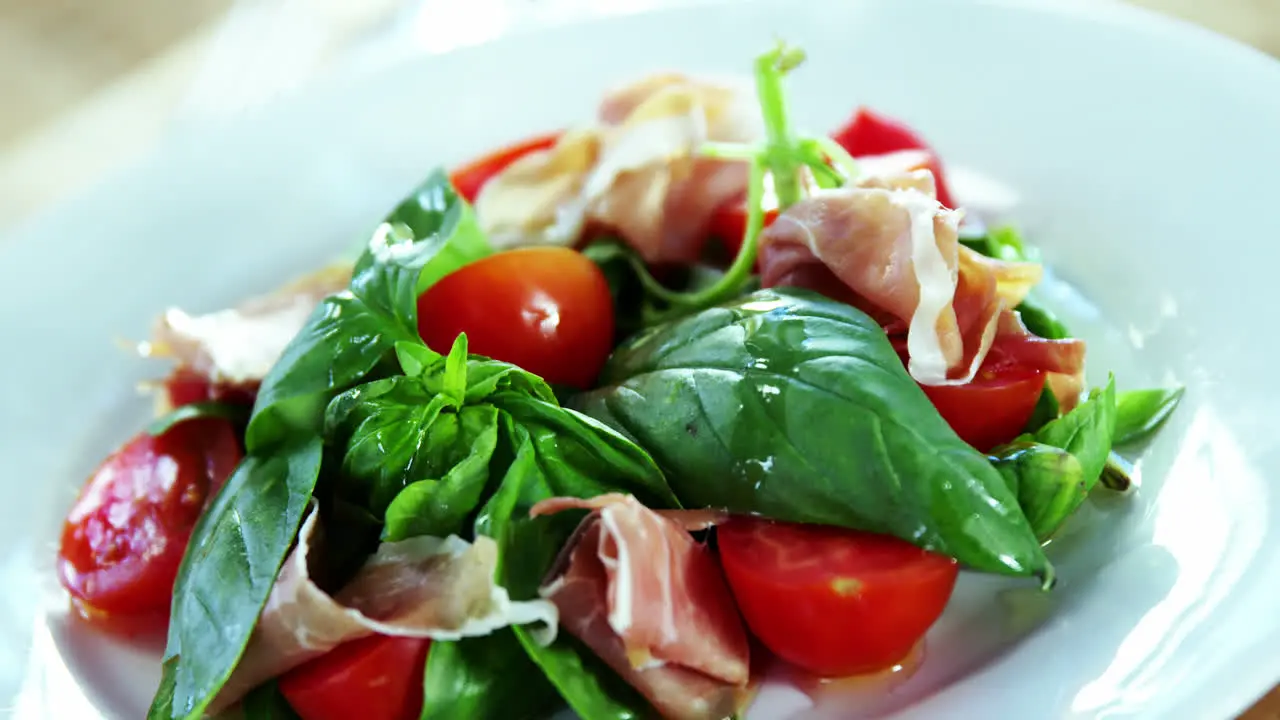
(89, 86)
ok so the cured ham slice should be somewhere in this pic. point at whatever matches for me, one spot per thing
(887, 246)
(652, 602)
(636, 172)
(438, 588)
(237, 346)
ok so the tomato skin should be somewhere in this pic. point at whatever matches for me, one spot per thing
(831, 601)
(185, 387)
(373, 678)
(471, 177)
(871, 133)
(993, 408)
(125, 536)
(546, 309)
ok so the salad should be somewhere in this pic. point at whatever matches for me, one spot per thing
(613, 419)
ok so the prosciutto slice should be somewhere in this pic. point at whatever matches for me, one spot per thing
(237, 346)
(652, 602)
(885, 245)
(439, 588)
(635, 172)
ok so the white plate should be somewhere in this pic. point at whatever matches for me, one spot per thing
(1144, 152)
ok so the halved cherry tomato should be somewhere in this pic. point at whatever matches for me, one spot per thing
(994, 407)
(373, 678)
(125, 536)
(831, 601)
(546, 309)
(469, 178)
(870, 133)
(729, 224)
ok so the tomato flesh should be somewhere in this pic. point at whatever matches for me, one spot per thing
(832, 601)
(546, 309)
(185, 387)
(469, 179)
(126, 534)
(374, 678)
(993, 408)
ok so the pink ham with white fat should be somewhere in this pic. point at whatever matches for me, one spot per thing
(652, 602)
(426, 587)
(886, 245)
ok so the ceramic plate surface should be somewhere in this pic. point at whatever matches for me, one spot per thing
(1143, 153)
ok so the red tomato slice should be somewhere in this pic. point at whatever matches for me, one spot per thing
(831, 601)
(470, 178)
(729, 225)
(125, 536)
(994, 407)
(546, 309)
(374, 678)
(870, 133)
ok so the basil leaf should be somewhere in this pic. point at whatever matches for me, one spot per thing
(1086, 432)
(1045, 411)
(236, 550)
(1042, 322)
(429, 235)
(441, 507)
(796, 407)
(266, 703)
(528, 547)
(1140, 412)
(238, 415)
(1048, 481)
(1002, 243)
(485, 678)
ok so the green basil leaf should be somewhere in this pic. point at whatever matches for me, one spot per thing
(416, 358)
(429, 235)
(454, 383)
(1086, 432)
(1048, 481)
(1045, 411)
(1002, 243)
(1140, 412)
(528, 547)
(237, 414)
(230, 565)
(266, 703)
(796, 407)
(485, 678)
(1042, 322)
(441, 507)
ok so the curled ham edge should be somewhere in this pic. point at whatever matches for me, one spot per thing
(239, 345)
(636, 171)
(669, 625)
(424, 587)
(937, 274)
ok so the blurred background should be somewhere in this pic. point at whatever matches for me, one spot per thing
(88, 85)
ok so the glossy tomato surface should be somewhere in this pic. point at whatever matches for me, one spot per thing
(469, 179)
(871, 133)
(993, 408)
(831, 601)
(374, 678)
(546, 309)
(126, 534)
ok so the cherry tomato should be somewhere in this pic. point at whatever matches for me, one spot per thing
(831, 601)
(126, 534)
(546, 309)
(994, 407)
(185, 387)
(870, 133)
(470, 178)
(729, 225)
(373, 678)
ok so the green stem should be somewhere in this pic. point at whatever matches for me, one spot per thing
(780, 142)
(737, 274)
